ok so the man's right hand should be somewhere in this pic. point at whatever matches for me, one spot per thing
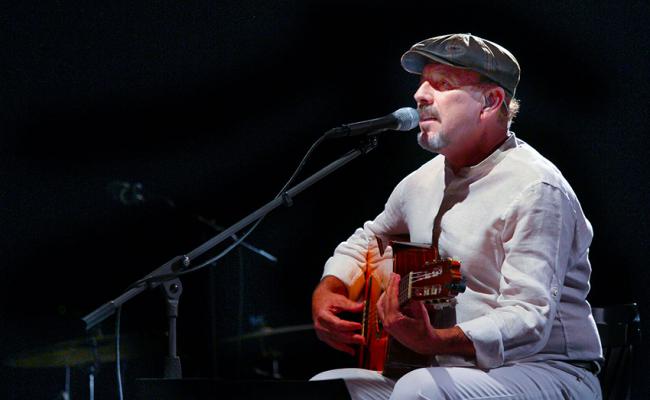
(330, 299)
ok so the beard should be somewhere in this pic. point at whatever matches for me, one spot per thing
(433, 142)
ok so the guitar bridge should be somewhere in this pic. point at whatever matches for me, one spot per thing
(439, 304)
(426, 291)
(414, 277)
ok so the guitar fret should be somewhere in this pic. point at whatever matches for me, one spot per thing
(404, 290)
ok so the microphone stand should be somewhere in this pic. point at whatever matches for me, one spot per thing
(166, 274)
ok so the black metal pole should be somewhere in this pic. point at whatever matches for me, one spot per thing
(173, 290)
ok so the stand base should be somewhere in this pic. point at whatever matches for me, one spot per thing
(173, 368)
(200, 389)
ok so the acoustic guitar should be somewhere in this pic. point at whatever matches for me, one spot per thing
(424, 276)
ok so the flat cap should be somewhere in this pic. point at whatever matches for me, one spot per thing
(465, 50)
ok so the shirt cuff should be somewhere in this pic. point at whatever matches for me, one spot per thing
(342, 270)
(487, 340)
(353, 278)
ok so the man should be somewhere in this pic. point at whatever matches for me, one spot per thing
(523, 326)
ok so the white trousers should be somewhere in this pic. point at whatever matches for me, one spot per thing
(533, 380)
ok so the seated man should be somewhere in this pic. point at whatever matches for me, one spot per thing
(523, 327)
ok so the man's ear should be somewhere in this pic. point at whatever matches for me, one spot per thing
(493, 98)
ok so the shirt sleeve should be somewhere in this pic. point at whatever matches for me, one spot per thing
(537, 239)
(360, 251)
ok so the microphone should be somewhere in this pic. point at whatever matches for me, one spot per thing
(126, 193)
(404, 119)
(134, 194)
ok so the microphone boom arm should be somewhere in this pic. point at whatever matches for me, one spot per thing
(178, 264)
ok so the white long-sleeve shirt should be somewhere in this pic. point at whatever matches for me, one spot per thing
(523, 241)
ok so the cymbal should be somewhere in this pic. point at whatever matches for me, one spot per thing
(76, 352)
(267, 331)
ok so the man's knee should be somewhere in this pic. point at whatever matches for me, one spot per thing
(326, 375)
(417, 384)
(362, 384)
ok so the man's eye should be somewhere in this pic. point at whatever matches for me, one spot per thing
(441, 85)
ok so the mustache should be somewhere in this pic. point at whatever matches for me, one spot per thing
(427, 112)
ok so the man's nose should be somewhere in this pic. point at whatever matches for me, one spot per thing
(424, 94)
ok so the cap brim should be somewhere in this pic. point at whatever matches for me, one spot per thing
(414, 61)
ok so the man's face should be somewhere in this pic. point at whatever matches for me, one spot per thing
(449, 108)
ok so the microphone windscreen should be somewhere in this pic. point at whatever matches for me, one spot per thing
(407, 118)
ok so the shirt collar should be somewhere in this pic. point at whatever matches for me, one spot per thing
(489, 162)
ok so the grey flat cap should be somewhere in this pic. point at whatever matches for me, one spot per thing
(465, 50)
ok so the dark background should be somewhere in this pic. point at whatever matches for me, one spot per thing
(212, 105)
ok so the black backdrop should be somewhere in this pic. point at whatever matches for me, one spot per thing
(212, 105)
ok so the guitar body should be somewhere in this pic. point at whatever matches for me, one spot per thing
(372, 354)
(424, 277)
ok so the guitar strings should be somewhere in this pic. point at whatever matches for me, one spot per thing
(417, 276)
(372, 315)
